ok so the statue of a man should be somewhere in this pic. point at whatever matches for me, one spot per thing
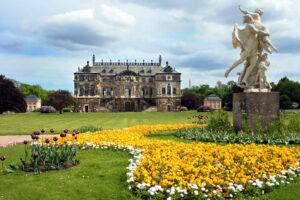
(254, 42)
(265, 41)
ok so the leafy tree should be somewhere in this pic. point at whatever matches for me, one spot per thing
(36, 90)
(285, 101)
(289, 88)
(190, 100)
(60, 99)
(11, 99)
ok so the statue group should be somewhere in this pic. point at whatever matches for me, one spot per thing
(255, 44)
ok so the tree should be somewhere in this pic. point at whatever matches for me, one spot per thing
(11, 99)
(190, 100)
(285, 102)
(36, 90)
(289, 88)
(60, 99)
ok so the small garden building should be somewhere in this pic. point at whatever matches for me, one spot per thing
(33, 103)
(213, 101)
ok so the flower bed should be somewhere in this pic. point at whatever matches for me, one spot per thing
(170, 169)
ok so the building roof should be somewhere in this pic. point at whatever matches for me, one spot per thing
(32, 98)
(113, 68)
(212, 97)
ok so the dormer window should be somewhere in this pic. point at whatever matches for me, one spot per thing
(149, 71)
(103, 71)
(111, 71)
(142, 71)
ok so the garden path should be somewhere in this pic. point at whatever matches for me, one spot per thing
(6, 141)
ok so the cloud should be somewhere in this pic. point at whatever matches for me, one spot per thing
(81, 29)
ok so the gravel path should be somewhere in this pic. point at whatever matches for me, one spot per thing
(6, 141)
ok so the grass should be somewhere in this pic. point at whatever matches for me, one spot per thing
(100, 175)
(25, 123)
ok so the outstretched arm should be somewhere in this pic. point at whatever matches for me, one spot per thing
(243, 11)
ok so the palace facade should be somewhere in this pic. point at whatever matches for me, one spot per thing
(127, 86)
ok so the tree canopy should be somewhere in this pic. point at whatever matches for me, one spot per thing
(60, 99)
(11, 99)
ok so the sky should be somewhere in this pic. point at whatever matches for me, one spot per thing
(44, 42)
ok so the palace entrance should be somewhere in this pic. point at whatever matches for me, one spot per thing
(129, 106)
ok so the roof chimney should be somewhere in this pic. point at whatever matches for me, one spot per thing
(94, 59)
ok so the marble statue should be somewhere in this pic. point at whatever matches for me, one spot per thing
(255, 44)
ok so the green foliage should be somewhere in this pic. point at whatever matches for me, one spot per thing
(36, 90)
(224, 91)
(90, 128)
(285, 102)
(219, 122)
(100, 175)
(289, 88)
(60, 99)
(46, 157)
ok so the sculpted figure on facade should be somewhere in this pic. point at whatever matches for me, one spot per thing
(255, 44)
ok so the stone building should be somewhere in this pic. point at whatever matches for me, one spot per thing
(127, 86)
(213, 101)
(33, 103)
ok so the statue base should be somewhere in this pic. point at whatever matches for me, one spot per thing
(250, 108)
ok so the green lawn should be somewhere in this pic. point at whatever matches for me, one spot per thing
(25, 123)
(100, 175)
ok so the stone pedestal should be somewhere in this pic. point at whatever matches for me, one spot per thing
(253, 108)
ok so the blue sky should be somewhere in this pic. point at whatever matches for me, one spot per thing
(44, 42)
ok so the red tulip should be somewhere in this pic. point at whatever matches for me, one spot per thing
(2, 158)
(51, 130)
(55, 139)
(25, 142)
(35, 155)
(47, 140)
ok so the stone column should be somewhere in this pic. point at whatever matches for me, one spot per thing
(253, 108)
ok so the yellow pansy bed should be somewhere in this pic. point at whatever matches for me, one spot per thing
(182, 170)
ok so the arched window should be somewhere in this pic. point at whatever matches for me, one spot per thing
(163, 91)
(127, 91)
(174, 91)
(81, 91)
(169, 89)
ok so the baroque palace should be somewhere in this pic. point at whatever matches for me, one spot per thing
(127, 86)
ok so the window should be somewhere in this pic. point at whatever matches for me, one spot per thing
(81, 90)
(81, 77)
(127, 91)
(92, 90)
(174, 91)
(163, 91)
(86, 90)
(169, 89)
(150, 91)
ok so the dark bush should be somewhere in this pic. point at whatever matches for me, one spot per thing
(190, 100)
(11, 99)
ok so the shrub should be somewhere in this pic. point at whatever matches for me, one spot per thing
(89, 128)
(47, 109)
(219, 122)
(183, 108)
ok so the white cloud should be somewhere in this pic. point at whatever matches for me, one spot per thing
(82, 29)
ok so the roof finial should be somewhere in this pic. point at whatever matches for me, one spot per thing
(159, 59)
(167, 63)
(94, 59)
(87, 63)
